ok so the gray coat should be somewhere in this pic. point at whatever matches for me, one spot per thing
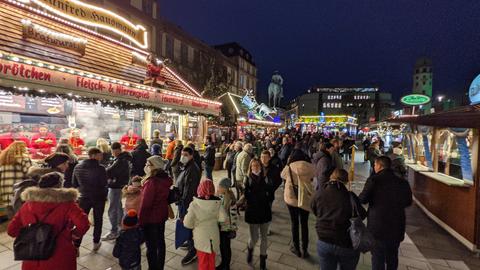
(243, 161)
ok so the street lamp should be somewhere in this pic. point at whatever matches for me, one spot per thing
(440, 98)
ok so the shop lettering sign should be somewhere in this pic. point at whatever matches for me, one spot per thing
(91, 15)
(415, 99)
(48, 36)
(44, 77)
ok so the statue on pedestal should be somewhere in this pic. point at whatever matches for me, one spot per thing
(275, 90)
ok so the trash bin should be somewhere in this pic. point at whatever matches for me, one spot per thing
(218, 162)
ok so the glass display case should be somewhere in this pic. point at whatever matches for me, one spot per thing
(454, 153)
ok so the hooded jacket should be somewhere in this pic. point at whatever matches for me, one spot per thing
(119, 172)
(133, 197)
(65, 215)
(139, 159)
(91, 180)
(302, 173)
(203, 217)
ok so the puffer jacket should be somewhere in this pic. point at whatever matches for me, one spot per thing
(203, 217)
(139, 159)
(154, 199)
(91, 180)
(63, 213)
(119, 172)
(128, 248)
(133, 197)
(302, 173)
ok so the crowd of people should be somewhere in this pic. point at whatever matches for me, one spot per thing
(143, 186)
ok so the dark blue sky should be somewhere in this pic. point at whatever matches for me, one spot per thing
(340, 42)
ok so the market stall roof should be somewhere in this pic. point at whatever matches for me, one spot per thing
(233, 102)
(462, 117)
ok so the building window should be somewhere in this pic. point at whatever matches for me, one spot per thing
(242, 81)
(184, 54)
(154, 10)
(148, 6)
(169, 47)
(424, 70)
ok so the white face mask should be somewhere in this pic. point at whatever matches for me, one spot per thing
(184, 160)
(147, 170)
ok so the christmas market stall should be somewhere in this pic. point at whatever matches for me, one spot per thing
(249, 116)
(81, 73)
(442, 150)
(328, 123)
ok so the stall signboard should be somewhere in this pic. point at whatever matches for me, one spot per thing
(63, 82)
(48, 36)
(474, 91)
(415, 100)
(94, 16)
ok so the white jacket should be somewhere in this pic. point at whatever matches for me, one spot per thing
(203, 217)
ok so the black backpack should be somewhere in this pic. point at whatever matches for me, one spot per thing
(36, 241)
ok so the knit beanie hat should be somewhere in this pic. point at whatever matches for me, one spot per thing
(56, 159)
(206, 189)
(131, 218)
(157, 162)
(51, 180)
(225, 183)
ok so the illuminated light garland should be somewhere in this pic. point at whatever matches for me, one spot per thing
(44, 14)
(254, 121)
(234, 104)
(89, 75)
(184, 82)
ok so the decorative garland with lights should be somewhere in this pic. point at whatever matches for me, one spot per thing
(121, 105)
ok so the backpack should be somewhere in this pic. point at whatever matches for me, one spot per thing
(36, 241)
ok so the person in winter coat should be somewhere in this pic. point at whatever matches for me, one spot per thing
(241, 174)
(229, 226)
(54, 205)
(156, 140)
(337, 159)
(91, 180)
(154, 210)
(103, 145)
(118, 175)
(133, 194)
(229, 158)
(387, 196)
(202, 217)
(209, 159)
(373, 154)
(272, 172)
(187, 183)
(139, 157)
(258, 212)
(332, 206)
(298, 175)
(398, 162)
(177, 153)
(238, 149)
(324, 165)
(298, 154)
(127, 247)
(170, 148)
(285, 151)
(14, 165)
(196, 155)
(73, 161)
(156, 150)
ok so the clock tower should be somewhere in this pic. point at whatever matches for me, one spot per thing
(422, 80)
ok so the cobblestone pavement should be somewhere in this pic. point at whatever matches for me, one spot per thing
(426, 245)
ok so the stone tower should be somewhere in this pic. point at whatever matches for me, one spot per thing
(422, 80)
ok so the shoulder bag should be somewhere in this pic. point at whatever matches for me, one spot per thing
(362, 239)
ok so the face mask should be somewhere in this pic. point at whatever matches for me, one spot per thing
(184, 160)
(257, 173)
(147, 170)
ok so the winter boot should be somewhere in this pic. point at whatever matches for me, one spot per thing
(263, 262)
(250, 256)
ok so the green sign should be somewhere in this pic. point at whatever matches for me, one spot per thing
(415, 99)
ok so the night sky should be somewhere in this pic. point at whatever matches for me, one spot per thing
(339, 42)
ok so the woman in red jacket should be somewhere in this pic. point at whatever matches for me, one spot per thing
(57, 206)
(154, 210)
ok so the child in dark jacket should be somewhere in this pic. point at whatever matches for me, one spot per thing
(127, 246)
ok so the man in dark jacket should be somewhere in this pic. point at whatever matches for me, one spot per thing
(324, 165)
(91, 180)
(387, 196)
(285, 151)
(139, 158)
(209, 159)
(187, 183)
(196, 156)
(118, 176)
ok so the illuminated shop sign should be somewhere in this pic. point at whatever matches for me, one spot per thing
(415, 99)
(91, 15)
(61, 79)
(45, 35)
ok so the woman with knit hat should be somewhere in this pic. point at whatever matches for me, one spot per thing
(204, 213)
(153, 211)
(54, 205)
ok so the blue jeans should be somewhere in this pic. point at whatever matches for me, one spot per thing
(385, 255)
(209, 172)
(115, 210)
(332, 256)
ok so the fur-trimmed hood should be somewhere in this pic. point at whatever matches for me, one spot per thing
(53, 195)
(35, 172)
